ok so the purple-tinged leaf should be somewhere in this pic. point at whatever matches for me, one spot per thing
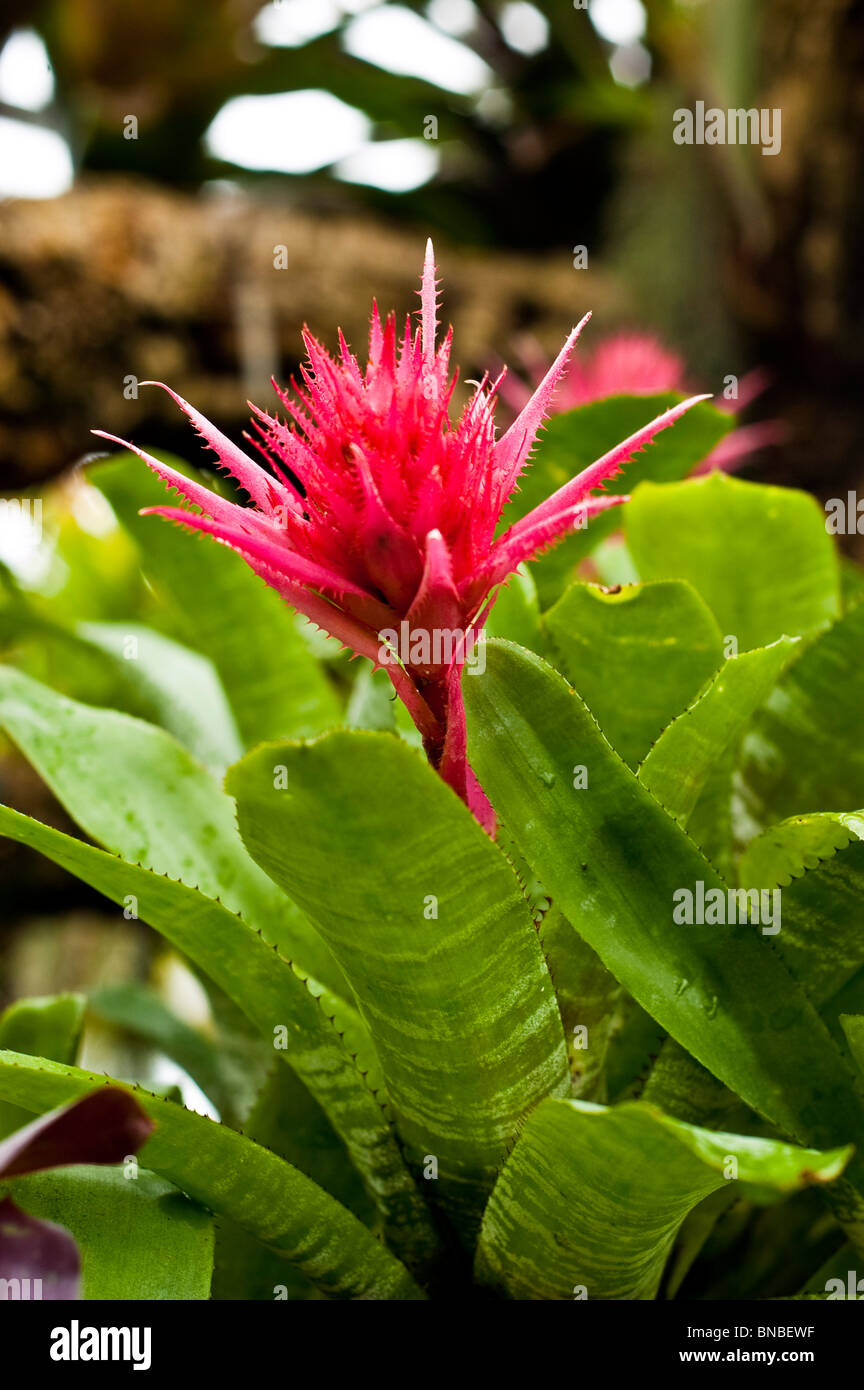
(38, 1260)
(103, 1127)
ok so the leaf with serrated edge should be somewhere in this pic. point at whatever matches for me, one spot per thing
(677, 767)
(731, 539)
(613, 860)
(272, 995)
(134, 789)
(426, 919)
(593, 1198)
(818, 863)
(235, 1178)
(804, 751)
(638, 655)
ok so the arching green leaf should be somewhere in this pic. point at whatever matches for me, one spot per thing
(591, 1199)
(678, 767)
(134, 789)
(638, 656)
(426, 918)
(804, 751)
(234, 1177)
(731, 540)
(615, 861)
(317, 1033)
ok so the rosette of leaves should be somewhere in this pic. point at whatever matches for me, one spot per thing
(475, 1062)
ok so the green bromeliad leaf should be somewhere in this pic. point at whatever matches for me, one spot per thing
(804, 751)
(287, 1120)
(680, 1086)
(759, 556)
(275, 685)
(789, 850)
(591, 1199)
(237, 1179)
(852, 582)
(637, 655)
(371, 702)
(426, 918)
(138, 1236)
(573, 439)
(614, 862)
(853, 1027)
(133, 788)
(180, 685)
(318, 1034)
(679, 766)
(136, 669)
(590, 1000)
(613, 561)
(695, 1230)
(832, 1279)
(48, 1027)
(818, 864)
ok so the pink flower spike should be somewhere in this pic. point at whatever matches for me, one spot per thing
(436, 600)
(296, 568)
(738, 446)
(429, 305)
(266, 492)
(512, 451)
(391, 525)
(627, 364)
(454, 767)
(210, 502)
(750, 387)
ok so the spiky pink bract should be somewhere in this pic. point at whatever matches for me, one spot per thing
(381, 510)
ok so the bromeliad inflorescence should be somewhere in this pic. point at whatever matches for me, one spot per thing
(380, 512)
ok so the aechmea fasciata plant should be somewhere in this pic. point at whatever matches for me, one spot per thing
(376, 514)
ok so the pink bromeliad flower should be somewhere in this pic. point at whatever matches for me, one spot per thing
(377, 512)
(636, 363)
